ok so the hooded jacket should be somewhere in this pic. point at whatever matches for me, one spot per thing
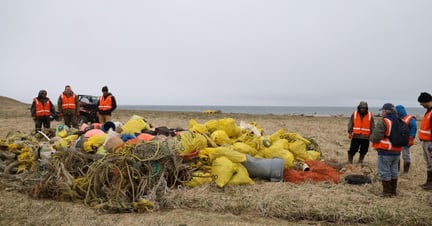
(361, 121)
(40, 100)
(409, 119)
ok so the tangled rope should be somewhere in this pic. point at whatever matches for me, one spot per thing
(135, 178)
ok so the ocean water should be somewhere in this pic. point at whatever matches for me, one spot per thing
(262, 110)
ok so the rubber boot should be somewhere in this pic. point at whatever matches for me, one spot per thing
(350, 158)
(393, 186)
(387, 188)
(361, 158)
(406, 166)
(428, 184)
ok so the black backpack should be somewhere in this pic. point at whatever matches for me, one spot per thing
(399, 134)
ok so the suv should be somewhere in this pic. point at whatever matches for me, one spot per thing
(88, 109)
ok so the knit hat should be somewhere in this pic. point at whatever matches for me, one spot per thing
(363, 104)
(388, 107)
(105, 89)
(424, 97)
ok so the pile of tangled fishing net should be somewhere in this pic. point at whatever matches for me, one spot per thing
(17, 155)
(130, 168)
(132, 179)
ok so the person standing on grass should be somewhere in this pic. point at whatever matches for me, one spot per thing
(106, 105)
(360, 126)
(41, 109)
(388, 155)
(425, 136)
(68, 106)
(412, 125)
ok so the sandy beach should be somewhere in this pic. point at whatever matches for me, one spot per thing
(280, 203)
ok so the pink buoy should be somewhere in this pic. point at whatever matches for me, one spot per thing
(93, 132)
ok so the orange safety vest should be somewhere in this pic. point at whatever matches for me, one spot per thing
(41, 108)
(385, 144)
(105, 103)
(362, 125)
(68, 102)
(424, 132)
(407, 119)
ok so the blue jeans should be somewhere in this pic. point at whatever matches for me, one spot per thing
(427, 147)
(388, 166)
(406, 154)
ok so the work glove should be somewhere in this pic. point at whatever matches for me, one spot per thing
(34, 118)
(411, 141)
(350, 135)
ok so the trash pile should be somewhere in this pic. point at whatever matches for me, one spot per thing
(129, 167)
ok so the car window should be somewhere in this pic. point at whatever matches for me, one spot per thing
(88, 99)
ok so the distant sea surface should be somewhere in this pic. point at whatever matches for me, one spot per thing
(262, 110)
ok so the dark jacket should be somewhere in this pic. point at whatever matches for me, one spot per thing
(379, 133)
(113, 104)
(351, 122)
(60, 103)
(42, 100)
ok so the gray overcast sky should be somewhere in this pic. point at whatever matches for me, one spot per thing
(224, 52)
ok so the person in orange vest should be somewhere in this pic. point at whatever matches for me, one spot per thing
(41, 109)
(425, 136)
(106, 105)
(388, 155)
(360, 126)
(68, 106)
(411, 121)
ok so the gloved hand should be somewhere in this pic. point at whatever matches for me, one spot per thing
(350, 135)
(34, 118)
(411, 141)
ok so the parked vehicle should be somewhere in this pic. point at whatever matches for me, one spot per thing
(88, 109)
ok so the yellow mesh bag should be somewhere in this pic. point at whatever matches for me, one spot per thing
(135, 125)
(277, 152)
(220, 137)
(191, 141)
(224, 169)
(241, 177)
(208, 155)
(244, 148)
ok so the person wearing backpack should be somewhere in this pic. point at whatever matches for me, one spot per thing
(360, 125)
(411, 121)
(425, 136)
(388, 154)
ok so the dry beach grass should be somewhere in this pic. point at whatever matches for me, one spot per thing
(270, 203)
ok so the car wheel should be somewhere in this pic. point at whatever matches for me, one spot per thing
(358, 179)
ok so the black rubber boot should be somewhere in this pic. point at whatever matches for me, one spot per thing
(428, 184)
(361, 158)
(393, 186)
(387, 188)
(406, 166)
(350, 158)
